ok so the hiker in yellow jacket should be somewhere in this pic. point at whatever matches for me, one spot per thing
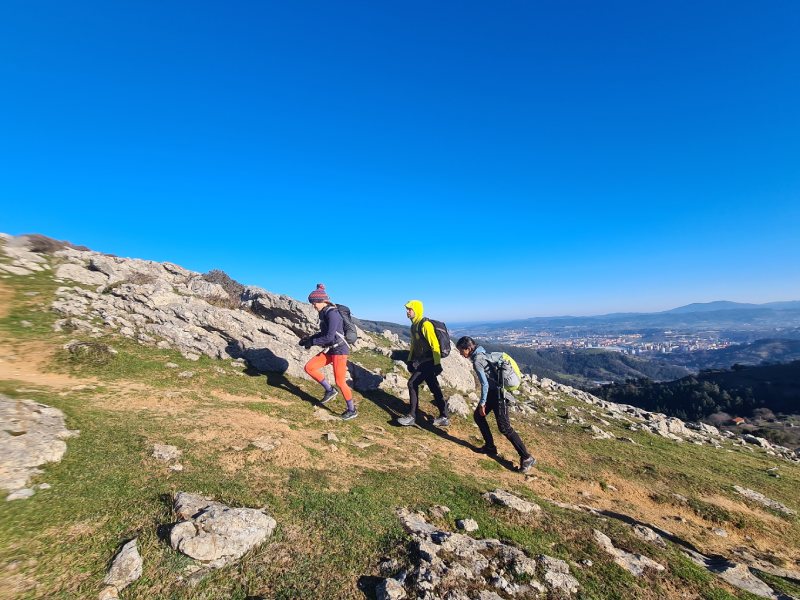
(424, 363)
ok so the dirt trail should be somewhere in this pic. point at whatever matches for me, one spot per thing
(6, 296)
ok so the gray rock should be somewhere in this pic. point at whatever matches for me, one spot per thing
(186, 374)
(21, 494)
(648, 535)
(32, 434)
(764, 501)
(457, 405)
(166, 452)
(216, 533)
(266, 443)
(468, 525)
(511, 501)
(390, 589)
(125, 568)
(636, 564)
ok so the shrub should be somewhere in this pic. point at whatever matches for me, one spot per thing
(92, 353)
(230, 285)
(42, 244)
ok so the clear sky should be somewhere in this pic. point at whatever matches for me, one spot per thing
(494, 160)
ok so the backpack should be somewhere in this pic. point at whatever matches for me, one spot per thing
(441, 334)
(350, 331)
(506, 367)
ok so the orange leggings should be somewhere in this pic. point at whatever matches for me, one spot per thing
(315, 365)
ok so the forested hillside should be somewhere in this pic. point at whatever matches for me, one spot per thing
(586, 367)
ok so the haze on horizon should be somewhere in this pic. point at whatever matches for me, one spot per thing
(537, 160)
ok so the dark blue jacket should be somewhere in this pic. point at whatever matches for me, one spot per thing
(331, 334)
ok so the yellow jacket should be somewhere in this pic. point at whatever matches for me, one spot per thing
(419, 347)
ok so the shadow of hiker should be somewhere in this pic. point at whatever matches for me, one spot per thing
(259, 360)
(279, 380)
(396, 407)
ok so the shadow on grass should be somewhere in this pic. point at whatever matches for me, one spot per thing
(396, 407)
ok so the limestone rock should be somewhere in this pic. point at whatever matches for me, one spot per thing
(511, 501)
(31, 434)
(457, 405)
(166, 452)
(636, 564)
(216, 533)
(764, 501)
(126, 567)
(467, 525)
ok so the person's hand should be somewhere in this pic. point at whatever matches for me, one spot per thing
(437, 369)
(305, 342)
(482, 410)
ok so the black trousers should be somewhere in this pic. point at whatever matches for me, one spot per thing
(424, 372)
(500, 408)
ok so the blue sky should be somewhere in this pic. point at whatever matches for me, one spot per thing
(494, 160)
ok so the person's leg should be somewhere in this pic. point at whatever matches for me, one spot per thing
(436, 390)
(504, 425)
(314, 369)
(413, 391)
(483, 424)
(340, 375)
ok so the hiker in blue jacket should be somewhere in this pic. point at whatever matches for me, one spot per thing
(491, 401)
(335, 350)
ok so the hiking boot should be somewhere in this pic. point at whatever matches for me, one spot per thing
(349, 414)
(329, 396)
(442, 422)
(407, 420)
(527, 464)
(488, 450)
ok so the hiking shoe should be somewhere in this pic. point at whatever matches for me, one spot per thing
(527, 464)
(349, 414)
(329, 396)
(407, 420)
(442, 422)
(488, 450)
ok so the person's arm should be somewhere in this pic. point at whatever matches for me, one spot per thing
(430, 336)
(411, 346)
(480, 368)
(330, 325)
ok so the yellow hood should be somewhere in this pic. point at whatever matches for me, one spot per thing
(416, 306)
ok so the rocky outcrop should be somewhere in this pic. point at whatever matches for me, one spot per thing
(31, 434)
(214, 533)
(452, 565)
(761, 499)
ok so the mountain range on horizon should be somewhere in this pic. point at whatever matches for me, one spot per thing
(695, 307)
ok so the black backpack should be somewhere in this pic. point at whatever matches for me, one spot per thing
(441, 334)
(350, 332)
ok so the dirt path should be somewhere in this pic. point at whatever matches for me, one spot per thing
(25, 362)
(6, 296)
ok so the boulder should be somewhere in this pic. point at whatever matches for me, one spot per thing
(215, 533)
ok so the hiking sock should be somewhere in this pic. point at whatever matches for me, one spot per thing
(350, 405)
(324, 383)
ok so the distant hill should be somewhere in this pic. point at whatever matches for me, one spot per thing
(751, 320)
(755, 353)
(381, 326)
(585, 367)
(738, 391)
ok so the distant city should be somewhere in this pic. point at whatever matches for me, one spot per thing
(632, 343)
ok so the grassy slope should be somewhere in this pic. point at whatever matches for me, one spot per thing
(334, 510)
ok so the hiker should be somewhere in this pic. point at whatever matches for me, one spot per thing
(335, 350)
(424, 363)
(491, 400)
